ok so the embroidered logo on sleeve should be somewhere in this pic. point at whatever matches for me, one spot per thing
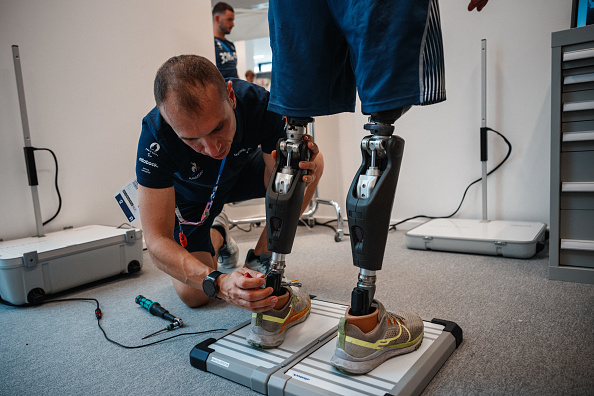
(147, 163)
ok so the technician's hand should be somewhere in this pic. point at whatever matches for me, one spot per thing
(310, 165)
(244, 292)
(478, 4)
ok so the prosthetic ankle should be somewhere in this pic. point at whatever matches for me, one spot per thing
(284, 198)
(369, 203)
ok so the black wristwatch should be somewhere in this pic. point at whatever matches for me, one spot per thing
(209, 285)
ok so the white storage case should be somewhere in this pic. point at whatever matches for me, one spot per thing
(518, 239)
(31, 268)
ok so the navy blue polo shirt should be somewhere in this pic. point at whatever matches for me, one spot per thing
(226, 57)
(164, 160)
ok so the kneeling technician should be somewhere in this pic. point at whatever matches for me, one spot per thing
(208, 142)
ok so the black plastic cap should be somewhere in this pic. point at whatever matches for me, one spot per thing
(450, 327)
(199, 354)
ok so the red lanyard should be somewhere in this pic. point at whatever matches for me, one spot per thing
(182, 237)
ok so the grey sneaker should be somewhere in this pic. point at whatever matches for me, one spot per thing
(259, 263)
(395, 334)
(268, 328)
(228, 254)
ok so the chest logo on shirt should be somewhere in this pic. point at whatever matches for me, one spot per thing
(196, 171)
(227, 57)
(152, 150)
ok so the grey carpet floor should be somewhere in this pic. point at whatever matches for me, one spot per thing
(523, 334)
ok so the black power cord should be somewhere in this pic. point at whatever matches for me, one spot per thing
(232, 226)
(393, 226)
(55, 182)
(99, 314)
(327, 224)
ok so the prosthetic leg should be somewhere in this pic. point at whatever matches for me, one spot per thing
(284, 198)
(369, 203)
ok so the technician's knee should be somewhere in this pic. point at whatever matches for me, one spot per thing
(190, 296)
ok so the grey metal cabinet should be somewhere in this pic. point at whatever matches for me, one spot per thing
(571, 244)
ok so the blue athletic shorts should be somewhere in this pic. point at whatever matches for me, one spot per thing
(323, 50)
(248, 184)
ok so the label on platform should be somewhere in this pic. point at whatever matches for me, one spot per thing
(219, 362)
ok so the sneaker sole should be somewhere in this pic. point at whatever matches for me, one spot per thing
(274, 340)
(356, 366)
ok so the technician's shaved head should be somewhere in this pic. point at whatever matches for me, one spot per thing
(183, 79)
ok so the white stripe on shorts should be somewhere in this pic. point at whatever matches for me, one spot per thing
(431, 70)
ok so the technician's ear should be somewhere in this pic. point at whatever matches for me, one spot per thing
(231, 93)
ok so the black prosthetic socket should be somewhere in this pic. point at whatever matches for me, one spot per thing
(369, 205)
(380, 123)
(369, 216)
(284, 198)
(388, 116)
(299, 121)
(283, 208)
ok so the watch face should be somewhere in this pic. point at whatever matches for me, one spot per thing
(209, 287)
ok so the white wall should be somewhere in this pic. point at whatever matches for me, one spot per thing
(442, 141)
(88, 68)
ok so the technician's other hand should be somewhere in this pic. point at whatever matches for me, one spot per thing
(310, 165)
(244, 292)
(478, 4)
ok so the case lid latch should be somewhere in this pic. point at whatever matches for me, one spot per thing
(131, 237)
(30, 259)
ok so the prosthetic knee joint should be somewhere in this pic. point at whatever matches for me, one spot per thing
(284, 198)
(369, 203)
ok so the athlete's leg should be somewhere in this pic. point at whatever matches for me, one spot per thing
(369, 204)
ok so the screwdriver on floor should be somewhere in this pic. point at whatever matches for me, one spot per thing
(156, 309)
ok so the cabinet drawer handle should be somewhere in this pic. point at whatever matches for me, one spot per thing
(574, 244)
(578, 136)
(580, 54)
(582, 78)
(577, 187)
(577, 106)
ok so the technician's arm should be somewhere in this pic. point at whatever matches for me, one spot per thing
(157, 208)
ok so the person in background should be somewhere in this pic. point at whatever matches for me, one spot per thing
(250, 76)
(223, 16)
